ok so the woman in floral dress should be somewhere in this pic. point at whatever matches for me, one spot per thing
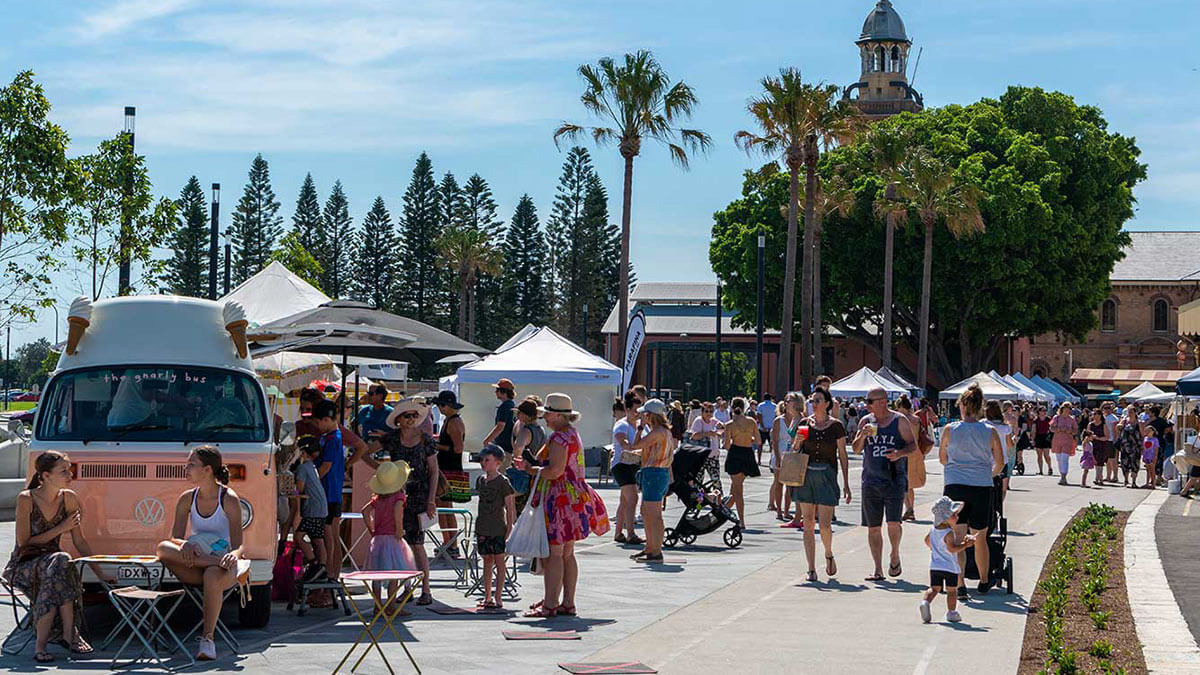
(573, 509)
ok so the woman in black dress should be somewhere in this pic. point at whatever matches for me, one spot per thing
(407, 442)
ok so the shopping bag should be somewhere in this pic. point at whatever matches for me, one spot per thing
(528, 538)
(459, 483)
(793, 467)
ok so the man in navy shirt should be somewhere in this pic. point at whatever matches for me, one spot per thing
(886, 440)
(501, 434)
(332, 470)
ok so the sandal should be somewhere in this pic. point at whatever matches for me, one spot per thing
(639, 554)
(875, 577)
(567, 610)
(635, 540)
(537, 604)
(830, 566)
(81, 647)
(620, 539)
(43, 657)
(894, 570)
(811, 576)
(425, 599)
(542, 612)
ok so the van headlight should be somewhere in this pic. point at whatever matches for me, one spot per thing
(247, 512)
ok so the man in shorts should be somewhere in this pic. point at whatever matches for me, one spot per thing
(765, 413)
(885, 440)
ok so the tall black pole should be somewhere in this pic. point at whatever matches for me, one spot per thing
(717, 379)
(212, 242)
(228, 255)
(123, 284)
(585, 327)
(758, 346)
(7, 361)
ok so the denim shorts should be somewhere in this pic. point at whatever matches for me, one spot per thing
(654, 482)
(519, 480)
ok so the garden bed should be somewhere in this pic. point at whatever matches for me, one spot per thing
(1079, 618)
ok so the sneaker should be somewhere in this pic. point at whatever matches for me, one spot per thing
(962, 593)
(985, 586)
(207, 650)
(926, 616)
(953, 616)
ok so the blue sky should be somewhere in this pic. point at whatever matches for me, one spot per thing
(356, 89)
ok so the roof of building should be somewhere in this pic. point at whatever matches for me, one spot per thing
(1159, 256)
(883, 23)
(674, 292)
(679, 319)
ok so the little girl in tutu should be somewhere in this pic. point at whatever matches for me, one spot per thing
(1087, 459)
(384, 518)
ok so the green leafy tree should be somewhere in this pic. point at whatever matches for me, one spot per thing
(307, 221)
(469, 253)
(524, 271)
(115, 187)
(48, 365)
(28, 364)
(377, 263)
(338, 230)
(420, 226)
(36, 185)
(294, 255)
(635, 101)
(187, 271)
(257, 224)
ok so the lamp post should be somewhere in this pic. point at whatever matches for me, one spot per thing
(55, 308)
(7, 361)
(717, 375)
(758, 338)
(228, 255)
(212, 242)
(1070, 363)
(123, 286)
(585, 327)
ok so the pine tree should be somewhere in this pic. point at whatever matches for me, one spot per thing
(490, 315)
(452, 208)
(565, 231)
(187, 271)
(256, 223)
(420, 227)
(376, 263)
(600, 244)
(307, 221)
(523, 277)
(334, 256)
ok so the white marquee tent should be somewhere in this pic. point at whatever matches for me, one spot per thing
(539, 361)
(993, 388)
(1146, 392)
(862, 381)
(275, 293)
(890, 375)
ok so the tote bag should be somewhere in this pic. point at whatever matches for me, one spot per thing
(793, 468)
(528, 538)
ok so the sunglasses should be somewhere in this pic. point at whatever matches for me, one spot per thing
(410, 415)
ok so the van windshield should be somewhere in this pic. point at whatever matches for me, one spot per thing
(153, 403)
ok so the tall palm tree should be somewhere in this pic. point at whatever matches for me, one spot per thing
(796, 119)
(936, 194)
(833, 196)
(470, 253)
(635, 100)
(887, 147)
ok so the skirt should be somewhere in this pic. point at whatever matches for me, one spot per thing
(389, 553)
(820, 486)
(1087, 460)
(741, 460)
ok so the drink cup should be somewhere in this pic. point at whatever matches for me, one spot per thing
(871, 429)
(802, 432)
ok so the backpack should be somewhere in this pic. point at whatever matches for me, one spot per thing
(286, 571)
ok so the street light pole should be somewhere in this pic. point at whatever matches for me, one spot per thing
(228, 255)
(1070, 363)
(758, 343)
(212, 242)
(717, 375)
(123, 283)
(7, 361)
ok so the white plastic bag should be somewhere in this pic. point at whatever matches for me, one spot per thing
(528, 538)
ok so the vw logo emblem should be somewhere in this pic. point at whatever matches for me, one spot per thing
(148, 512)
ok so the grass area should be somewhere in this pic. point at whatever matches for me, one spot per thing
(17, 406)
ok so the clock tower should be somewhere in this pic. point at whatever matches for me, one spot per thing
(882, 88)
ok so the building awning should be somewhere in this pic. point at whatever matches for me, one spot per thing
(1117, 377)
(1189, 318)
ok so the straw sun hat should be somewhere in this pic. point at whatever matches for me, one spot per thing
(389, 478)
(407, 405)
(561, 404)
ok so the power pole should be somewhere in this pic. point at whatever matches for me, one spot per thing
(212, 242)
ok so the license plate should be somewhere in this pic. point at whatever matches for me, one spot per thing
(135, 572)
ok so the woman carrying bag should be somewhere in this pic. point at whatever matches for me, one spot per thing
(825, 446)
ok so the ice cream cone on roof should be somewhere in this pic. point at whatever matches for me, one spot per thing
(79, 317)
(236, 324)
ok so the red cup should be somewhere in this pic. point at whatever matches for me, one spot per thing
(802, 432)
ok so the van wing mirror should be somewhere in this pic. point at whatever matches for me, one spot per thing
(287, 433)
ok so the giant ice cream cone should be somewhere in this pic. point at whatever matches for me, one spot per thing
(78, 319)
(236, 324)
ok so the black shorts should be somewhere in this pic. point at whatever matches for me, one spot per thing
(335, 512)
(625, 474)
(313, 527)
(977, 504)
(1041, 441)
(489, 545)
(940, 579)
(413, 534)
(740, 459)
(1194, 472)
(880, 502)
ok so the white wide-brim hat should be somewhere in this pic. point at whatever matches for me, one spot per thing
(560, 404)
(407, 405)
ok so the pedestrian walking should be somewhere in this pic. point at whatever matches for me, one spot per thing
(653, 446)
(945, 544)
(825, 446)
(994, 415)
(741, 435)
(916, 463)
(1041, 441)
(624, 468)
(885, 440)
(1129, 445)
(765, 415)
(721, 411)
(1062, 445)
(783, 433)
(1087, 457)
(1111, 450)
(973, 457)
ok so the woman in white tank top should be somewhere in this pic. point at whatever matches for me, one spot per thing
(204, 550)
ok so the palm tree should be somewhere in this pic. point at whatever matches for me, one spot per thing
(470, 253)
(833, 196)
(796, 119)
(887, 147)
(636, 100)
(936, 194)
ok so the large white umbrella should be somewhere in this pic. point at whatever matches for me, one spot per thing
(289, 371)
(863, 381)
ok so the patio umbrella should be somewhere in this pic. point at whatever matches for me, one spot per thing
(289, 371)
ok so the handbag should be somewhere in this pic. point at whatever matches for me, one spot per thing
(528, 538)
(916, 471)
(459, 486)
(793, 468)
(286, 570)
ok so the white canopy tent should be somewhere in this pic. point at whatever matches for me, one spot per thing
(539, 361)
(1050, 394)
(862, 381)
(890, 375)
(1143, 392)
(993, 388)
(1033, 394)
(275, 293)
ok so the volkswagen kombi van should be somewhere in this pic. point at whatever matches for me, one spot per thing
(144, 379)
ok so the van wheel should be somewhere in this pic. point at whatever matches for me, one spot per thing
(257, 612)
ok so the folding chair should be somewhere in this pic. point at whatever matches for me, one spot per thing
(300, 598)
(22, 633)
(511, 583)
(138, 609)
(222, 632)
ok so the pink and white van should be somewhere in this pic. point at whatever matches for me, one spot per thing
(144, 379)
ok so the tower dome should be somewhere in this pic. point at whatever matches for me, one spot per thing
(883, 24)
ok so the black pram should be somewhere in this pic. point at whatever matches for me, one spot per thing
(703, 510)
(997, 541)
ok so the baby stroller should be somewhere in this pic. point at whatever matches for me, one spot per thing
(703, 511)
(997, 540)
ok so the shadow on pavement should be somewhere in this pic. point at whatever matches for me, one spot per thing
(833, 586)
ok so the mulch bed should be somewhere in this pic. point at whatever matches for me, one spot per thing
(1078, 629)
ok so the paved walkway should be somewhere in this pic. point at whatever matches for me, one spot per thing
(746, 609)
(1165, 593)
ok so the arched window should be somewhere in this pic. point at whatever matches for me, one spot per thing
(896, 59)
(879, 57)
(1161, 312)
(1108, 316)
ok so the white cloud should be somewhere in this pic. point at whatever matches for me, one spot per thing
(120, 16)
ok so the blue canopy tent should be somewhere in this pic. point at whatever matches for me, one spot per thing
(1054, 395)
(1060, 394)
(1189, 385)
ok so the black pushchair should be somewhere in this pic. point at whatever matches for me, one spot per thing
(704, 510)
(997, 541)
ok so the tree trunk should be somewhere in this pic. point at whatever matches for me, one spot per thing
(885, 335)
(926, 292)
(817, 327)
(806, 284)
(623, 272)
(783, 372)
(471, 295)
(462, 307)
